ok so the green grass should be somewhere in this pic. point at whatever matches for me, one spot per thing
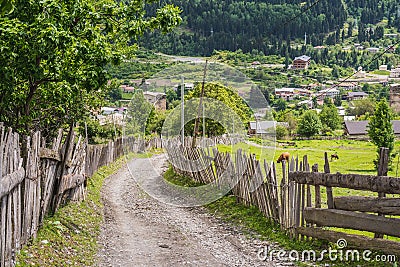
(354, 156)
(381, 72)
(70, 236)
(180, 180)
(127, 96)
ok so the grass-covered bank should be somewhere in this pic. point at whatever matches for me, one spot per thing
(69, 237)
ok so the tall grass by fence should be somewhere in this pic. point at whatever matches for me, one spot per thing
(295, 200)
(39, 177)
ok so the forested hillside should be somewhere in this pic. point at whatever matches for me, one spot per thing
(266, 25)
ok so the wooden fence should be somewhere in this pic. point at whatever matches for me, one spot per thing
(295, 202)
(37, 178)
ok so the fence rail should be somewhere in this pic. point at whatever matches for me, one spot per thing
(295, 200)
(36, 179)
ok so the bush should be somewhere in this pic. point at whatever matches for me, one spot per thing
(281, 132)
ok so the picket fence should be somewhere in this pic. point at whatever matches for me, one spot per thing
(295, 202)
(36, 178)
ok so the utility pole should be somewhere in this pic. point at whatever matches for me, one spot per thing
(182, 111)
(305, 38)
(204, 124)
(196, 122)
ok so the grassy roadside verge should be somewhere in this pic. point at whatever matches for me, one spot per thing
(69, 238)
(253, 223)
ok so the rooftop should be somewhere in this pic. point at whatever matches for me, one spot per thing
(303, 58)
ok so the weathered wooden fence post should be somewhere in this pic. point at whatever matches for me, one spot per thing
(383, 167)
(329, 194)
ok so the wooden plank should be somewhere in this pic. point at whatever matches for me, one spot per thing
(385, 184)
(353, 241)
(46, 153)
(329, 194)
(317, 188)
(382, 171)
(8, 182)
(388, 206)
(70, 181)
(353, 220)
(3, 225)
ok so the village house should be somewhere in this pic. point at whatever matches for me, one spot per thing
(359, 129)
(301, 63)
(356, 96)
(360, 73)
(127, 89)
(158, 100)
(395, 73)
(394, 97)
(261, 128)
(188, 86)
(327, 93)
(348, 86)
(373, 50)
(290, 93)
(383, 67)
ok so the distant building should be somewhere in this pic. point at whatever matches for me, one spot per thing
(360, 73)
(348, 86)
(356, 95)
(390, 35)
(262, 127)
(360, 128)
(255, 64)
(285, 93)
(301, 63)
(158, 100)
(341, 111)
(383, 67)
(127, 89)
(395, 73)
(329, 92)
(307, 103)
(188, 86)
(373, 50)
(394, 97)
(289, 93)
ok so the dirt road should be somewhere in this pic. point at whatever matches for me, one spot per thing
(141, 231)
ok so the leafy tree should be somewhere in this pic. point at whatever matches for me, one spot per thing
(139, 112)
(280, 104)
(6, 6)
(281, 132)
(335, 71)
(155, 122)
(329, 117)
(229, 97)
(380, 128)
(54, 55)
(292, 122)
(309, 124)
(362, 107)
(314, 101)
(337, 100)
(171, 96)
(114, 91)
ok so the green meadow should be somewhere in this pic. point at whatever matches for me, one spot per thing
(354, 156)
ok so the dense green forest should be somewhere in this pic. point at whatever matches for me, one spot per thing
(269, 25)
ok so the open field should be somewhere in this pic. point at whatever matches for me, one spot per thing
(354, 156)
